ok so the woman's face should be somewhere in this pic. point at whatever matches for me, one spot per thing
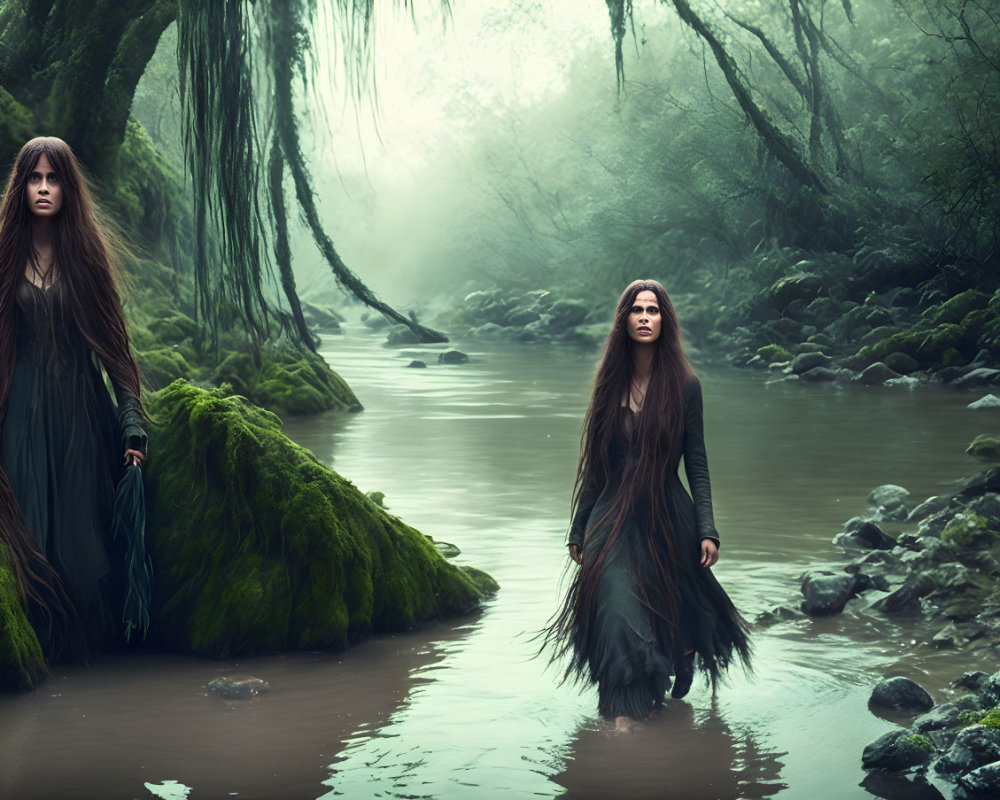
(644, 318)
(44, 189)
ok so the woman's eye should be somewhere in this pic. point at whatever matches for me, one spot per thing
(53, 178)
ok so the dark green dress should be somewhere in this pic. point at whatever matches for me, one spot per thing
(61, 446)
(621, 643)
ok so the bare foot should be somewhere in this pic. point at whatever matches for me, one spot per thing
(624, 725)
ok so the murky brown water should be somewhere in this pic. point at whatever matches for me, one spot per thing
(482, 455)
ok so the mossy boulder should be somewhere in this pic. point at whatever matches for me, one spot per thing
(22, 665)
(967, 530)
(286, 381)
(258, 547)
(986, 445)
(955, 309)
(772, 353)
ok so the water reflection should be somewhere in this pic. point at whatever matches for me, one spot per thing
(679, 753)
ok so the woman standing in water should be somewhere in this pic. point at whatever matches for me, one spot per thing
(60, 312)
(644, 601)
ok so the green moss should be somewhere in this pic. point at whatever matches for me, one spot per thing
(774, 352)
(918, 742)
(986, 445)
(989, 717)
(928, 346)
(258, 547)
(966, 530)
(955, 308)
(22, 665)
(162, 366)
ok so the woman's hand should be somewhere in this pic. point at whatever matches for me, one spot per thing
(134, 457)
(709, 553)
(576, 553)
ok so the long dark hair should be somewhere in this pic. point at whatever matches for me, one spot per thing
(658, 428)
(87, 267)
(657, 435)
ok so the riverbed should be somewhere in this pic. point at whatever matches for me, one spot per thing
(482, 455)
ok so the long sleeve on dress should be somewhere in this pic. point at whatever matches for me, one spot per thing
(696, 461)
(129, 420)
(588, 499)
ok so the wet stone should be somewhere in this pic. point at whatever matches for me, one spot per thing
(896, 750)
(452, 357)
(983, 376)
(903, 600)
(932, 505)
(417, 364)
(827, 592)
(990, 691)
(819, 375)
(987, 401)
(900, 692)
(982, 783)
(944, 715)
(237, 688)
(876, 374)
(973, 747)
(975, 681)
(776, 615)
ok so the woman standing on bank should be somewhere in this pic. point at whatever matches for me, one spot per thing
(645, 601)
(62, 441)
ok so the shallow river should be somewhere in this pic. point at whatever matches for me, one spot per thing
(482, 455)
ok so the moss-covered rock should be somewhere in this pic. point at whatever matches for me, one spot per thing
(22, 665)
(772, 353)
(967, 530)
(986, 445)
(955, 309)
(258, 547)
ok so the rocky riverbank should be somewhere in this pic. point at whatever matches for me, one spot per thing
(836, 322)
(936, 563)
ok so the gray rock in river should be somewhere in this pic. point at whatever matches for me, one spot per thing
(904, 600)
(827, 592)
(990, 691)
(897, 750)
(901, 363)
(944, 715)
(807, 361)
(417, 364)
(819, 375)
(987, 401)
(237, 688)
(900, 692)
(988, 506)
(982, 783)
(931, 505)
(871, 536)
(400, 334)
(452, 357)
(888, 494)
(889, 501)
(974, 681)
(876, 374)
(975, 746)
(983, 376)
